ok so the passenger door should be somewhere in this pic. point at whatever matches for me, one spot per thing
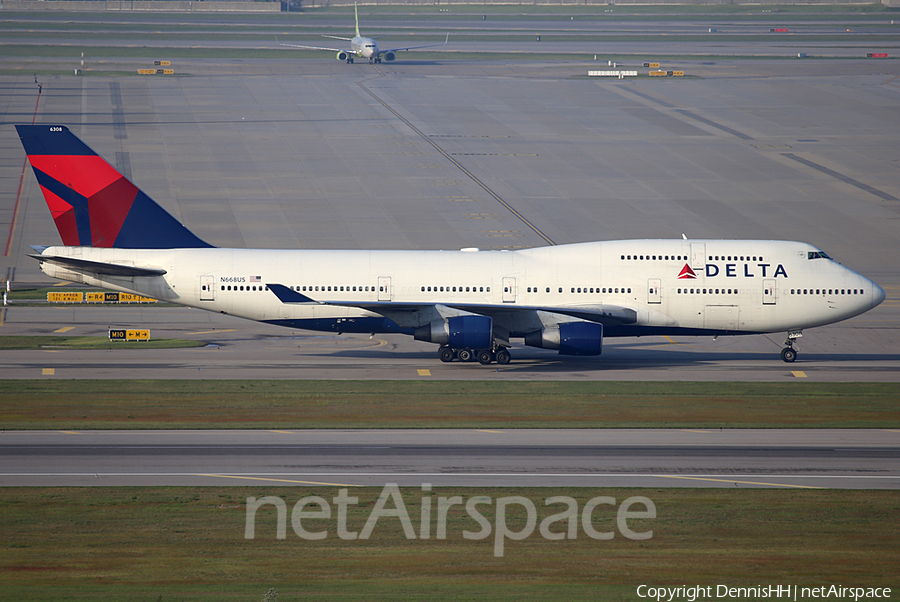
(384, 288)
(654, 294)
(207, 288)
(768, 297)
(509, 289)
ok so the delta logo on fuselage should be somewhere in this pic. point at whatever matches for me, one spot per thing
(731, 271)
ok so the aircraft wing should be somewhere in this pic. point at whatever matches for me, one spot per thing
(320, 48)
(504, 315)
(415, 47)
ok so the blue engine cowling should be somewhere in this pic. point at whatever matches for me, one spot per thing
(580, 338)
(461, 332)
(570, 338)
(471, 332)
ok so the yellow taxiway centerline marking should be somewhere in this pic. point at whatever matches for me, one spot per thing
(486, 431)
(735, 482)
(212, 331)
(799, 373)
(64, 329)
(225, 476)
(70, 432)
(285, 432)
(424, 372)
(48, 372)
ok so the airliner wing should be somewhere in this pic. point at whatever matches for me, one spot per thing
(415, 47)
(502, 314)
(319, 48)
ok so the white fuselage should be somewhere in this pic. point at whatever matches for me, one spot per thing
(364, 47)
(672, 286)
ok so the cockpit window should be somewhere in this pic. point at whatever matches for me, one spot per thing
(817, 255)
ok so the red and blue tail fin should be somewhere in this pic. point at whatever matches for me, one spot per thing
(92, 204)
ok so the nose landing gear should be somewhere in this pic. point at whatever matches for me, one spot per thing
(789, 354)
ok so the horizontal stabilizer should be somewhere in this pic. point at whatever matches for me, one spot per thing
(98, 267)
(286, 295)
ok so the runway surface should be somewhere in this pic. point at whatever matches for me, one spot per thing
(844, 459)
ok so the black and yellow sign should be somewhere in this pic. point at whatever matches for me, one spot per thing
(61, 297)
(128, 334)
(129, 298)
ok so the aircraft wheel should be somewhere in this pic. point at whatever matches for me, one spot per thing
(788, 355)
(485, 357)
(465, 355)
(503, 356)
(446, 354)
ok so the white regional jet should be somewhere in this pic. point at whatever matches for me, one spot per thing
(362, 47)
(470, 302)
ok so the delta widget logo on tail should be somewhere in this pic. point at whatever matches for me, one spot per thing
(93, 204)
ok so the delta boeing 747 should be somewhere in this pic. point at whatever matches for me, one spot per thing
(469, 302)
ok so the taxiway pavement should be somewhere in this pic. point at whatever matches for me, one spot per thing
(842, 459)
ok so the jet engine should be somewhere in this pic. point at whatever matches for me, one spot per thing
(389, 56)
(571, 338)
(460, 332)
(341, 56)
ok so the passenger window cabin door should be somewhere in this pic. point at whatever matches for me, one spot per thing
(654, 294)
(509, 289)
(207, 288)
(384, 288)
(768, 297)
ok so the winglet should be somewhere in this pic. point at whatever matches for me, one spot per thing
(286, 295)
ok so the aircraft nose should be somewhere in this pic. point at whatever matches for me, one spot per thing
(878, 294)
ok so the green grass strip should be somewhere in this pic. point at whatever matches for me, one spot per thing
(188, 543)
(178, 404)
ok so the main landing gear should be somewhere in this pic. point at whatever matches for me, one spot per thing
(789, 354)
(483, 356)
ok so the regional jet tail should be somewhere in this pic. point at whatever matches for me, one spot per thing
(362, 47)
(469, 302)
